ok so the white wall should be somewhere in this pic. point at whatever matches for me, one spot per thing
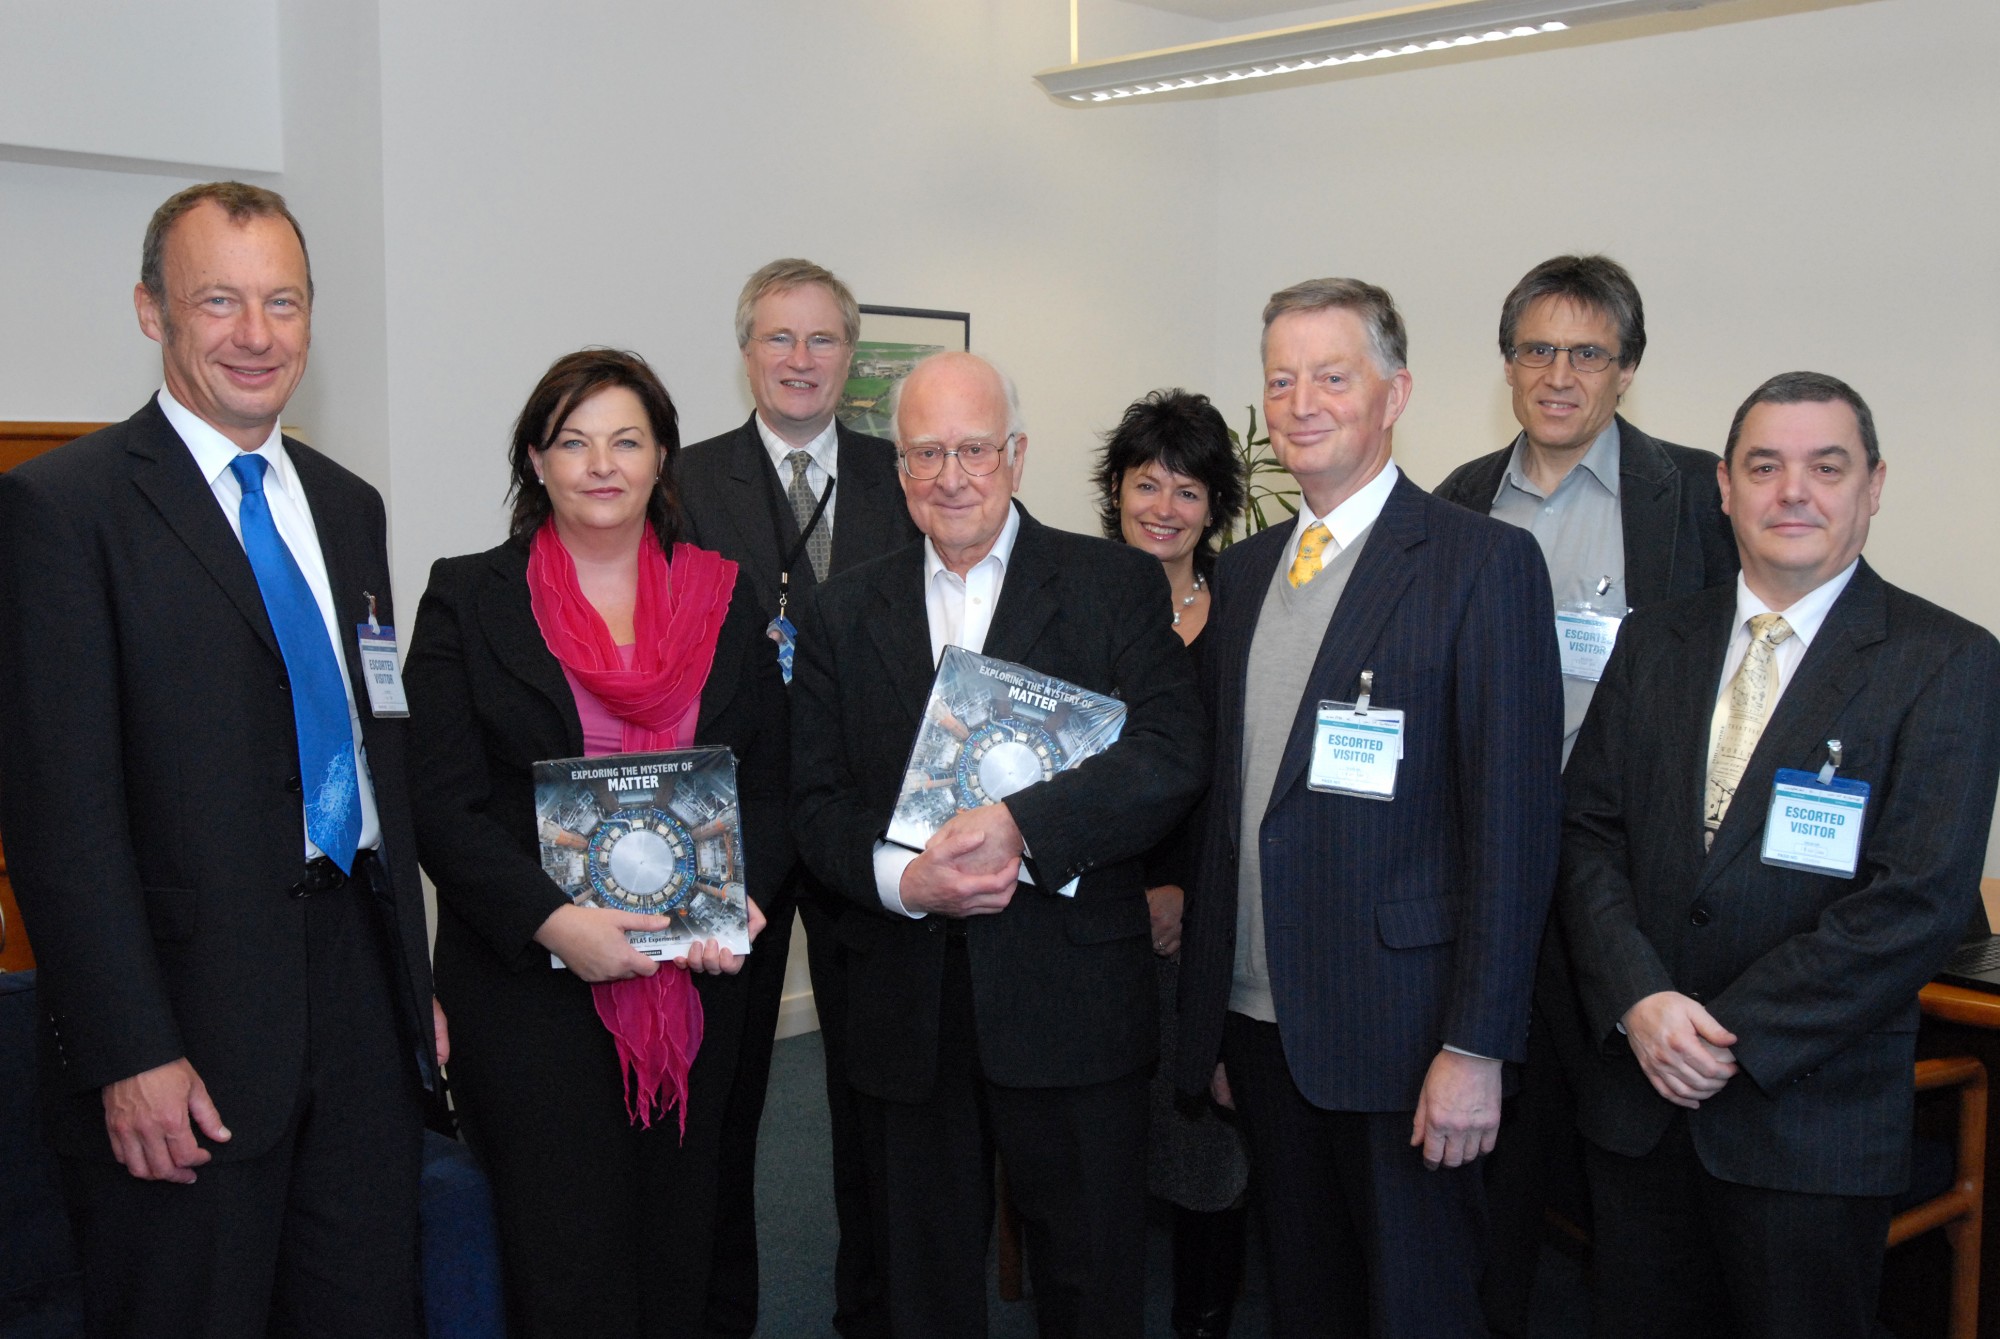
(1807, 190)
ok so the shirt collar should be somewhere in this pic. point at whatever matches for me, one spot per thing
(212, 451)
(824, 449)
(1602, 460)
(1804, 615)
(1346, 521)
(999, 555)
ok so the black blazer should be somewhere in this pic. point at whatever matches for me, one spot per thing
(151, 796)
(728, 486)
(1392, 927)
(1063, 989)
(1677, 540)
(489, 701)
(1816, 975)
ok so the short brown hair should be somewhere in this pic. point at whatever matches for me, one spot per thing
(1375, 308)
(570, 380)
(236, 199)
(781, 276)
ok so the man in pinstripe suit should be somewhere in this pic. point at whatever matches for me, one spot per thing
(1748, 1107)
(1361, 963)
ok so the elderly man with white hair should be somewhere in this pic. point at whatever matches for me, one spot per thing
(1002, 992)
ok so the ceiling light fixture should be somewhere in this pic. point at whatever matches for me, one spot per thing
(1439, 25)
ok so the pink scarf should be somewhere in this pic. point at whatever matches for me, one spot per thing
(656, 1020)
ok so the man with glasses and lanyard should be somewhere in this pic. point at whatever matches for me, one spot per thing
(1623, 520)
(1003, 994)
(793, 496)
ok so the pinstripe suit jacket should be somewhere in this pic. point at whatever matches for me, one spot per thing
(1391, 928)
(1816, 975)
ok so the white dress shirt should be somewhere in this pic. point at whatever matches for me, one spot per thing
(291, 513)
(1804, 616)
(1347, 521)
(960, 612)
(825, 452)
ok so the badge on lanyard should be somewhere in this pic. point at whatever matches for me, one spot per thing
(781, 631)
(1356, 747)
(1815, 820)
(379, 668)
(1585, 633)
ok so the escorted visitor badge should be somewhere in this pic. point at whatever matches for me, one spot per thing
(1585, 636)
(1356, 747)
(379, 668)
(1815, 822)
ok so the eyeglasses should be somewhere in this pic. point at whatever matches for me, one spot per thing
(975, 458)
(783, 342)
(1582, 357)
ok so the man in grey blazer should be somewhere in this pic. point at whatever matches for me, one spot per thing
(208, 824)
(793, 496)
(987, 1010)
(1623, 520)
(1748, 974)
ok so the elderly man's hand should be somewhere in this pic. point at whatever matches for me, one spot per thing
(1458, 1112)
(968, 868)
(148, 1119)
(1683, 1050)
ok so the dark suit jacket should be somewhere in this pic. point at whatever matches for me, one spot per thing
(1391, 927)
(1063, 989)
(1676, 538)
(727, 486)
(490, 700)
(151, 794)
(1816, 975)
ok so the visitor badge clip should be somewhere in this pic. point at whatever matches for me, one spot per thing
(1816, 819)
(1356, 746)
(379, 667)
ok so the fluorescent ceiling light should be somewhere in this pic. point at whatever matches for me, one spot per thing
(1435, 26)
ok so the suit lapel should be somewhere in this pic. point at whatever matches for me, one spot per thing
(869, 504)
(746, 507)
(1649, 505)
(1695, 667)
(345, 571)
(1023, 610)
(508, 621)
(899, 624)
(167, 475)
(1833, 671)
(1387, 565)
(1232, 629)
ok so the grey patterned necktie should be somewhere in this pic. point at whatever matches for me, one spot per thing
(819, 545)
(1746, 708)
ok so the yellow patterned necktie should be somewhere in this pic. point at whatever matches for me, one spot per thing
(1311, 545)
(1745, 710)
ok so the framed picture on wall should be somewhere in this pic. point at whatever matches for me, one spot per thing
(892, 341)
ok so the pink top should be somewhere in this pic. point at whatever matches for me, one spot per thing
(604, 733)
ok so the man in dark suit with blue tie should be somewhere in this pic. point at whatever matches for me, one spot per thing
(208, 825)
(1777, 817)
(793, 495)
(1379, 842)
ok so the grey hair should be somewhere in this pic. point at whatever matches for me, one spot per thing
(781, 276)
(1015, 426)
(1376, 309)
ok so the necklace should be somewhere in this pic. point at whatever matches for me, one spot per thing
(1188, 601)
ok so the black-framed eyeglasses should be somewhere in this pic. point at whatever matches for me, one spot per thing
(1582, 357)
(782, 342)
(975, 457)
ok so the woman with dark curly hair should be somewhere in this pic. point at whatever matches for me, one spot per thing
(1168, 482)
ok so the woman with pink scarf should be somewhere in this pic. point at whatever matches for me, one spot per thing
(591, 1090)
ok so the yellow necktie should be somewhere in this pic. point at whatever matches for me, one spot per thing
(1745, 710)
(1311, 545)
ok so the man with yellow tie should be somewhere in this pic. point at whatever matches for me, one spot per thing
(1777, 818)
(1379, 842)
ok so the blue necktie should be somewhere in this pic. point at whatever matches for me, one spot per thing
(319, 699)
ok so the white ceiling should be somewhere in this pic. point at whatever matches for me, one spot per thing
(1229, 11)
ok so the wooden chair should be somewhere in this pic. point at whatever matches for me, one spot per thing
(1960, 1209)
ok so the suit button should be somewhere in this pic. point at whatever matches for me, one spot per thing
(1694, 995)
(284, 685)
(1699, 916)
(933, 924)
(292, 784)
